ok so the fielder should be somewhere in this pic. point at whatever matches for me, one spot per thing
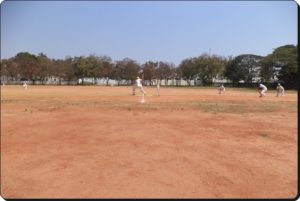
(280, 90)
(25, 85)
(157, 87)
(138, 85)
(262, 90)
(221, 89)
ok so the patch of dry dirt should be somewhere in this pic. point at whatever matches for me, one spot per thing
(101, 142)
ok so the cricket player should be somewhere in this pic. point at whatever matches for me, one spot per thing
(221, 89)
(157, 87)
(262, 90)
(280, 90)
(25, 85)
(139, 85)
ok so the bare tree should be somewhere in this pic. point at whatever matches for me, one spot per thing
(9, 69)
(149, 70)
(164, 71)
(45, 67)
(128, 69)
(106, 68)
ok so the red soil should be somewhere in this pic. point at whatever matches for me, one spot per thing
(101, 142)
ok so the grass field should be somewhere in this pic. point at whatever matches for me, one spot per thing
(102, 142)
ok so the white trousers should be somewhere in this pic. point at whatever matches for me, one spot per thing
(140, 87)
(262, 92)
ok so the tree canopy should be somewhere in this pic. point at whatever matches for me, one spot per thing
(281, 65)
(243, 68)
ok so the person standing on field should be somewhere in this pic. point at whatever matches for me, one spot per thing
(157, 87)
(280, 90)
(138, 84)
(262, 90)
(25, 85)
(221, 89)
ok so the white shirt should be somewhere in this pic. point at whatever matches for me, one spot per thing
(138, 82)
(280, 88)
(262, 86)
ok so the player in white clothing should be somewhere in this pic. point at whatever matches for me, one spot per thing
(262, 90)
(25, 85)
(157, 86)
(221, 89)
(280, 90)
(139, 85)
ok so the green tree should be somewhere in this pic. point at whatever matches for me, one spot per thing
(281, 65)
(187, 69)
(235, 70)
(268, 71)
(253, 64)
(93, 67)
(28, 65)
(81, 67)
(209, 67)
(286, 58)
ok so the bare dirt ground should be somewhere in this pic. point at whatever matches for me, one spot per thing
(101, 142)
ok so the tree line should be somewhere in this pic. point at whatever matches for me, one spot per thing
(279, 66)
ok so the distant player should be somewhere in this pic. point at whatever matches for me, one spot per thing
(262, 90)
(280, 90)
(221, 89)
(157, 87)
(139, 85)
(25, 85)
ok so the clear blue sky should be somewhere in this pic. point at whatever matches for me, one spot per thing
(146, 30)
